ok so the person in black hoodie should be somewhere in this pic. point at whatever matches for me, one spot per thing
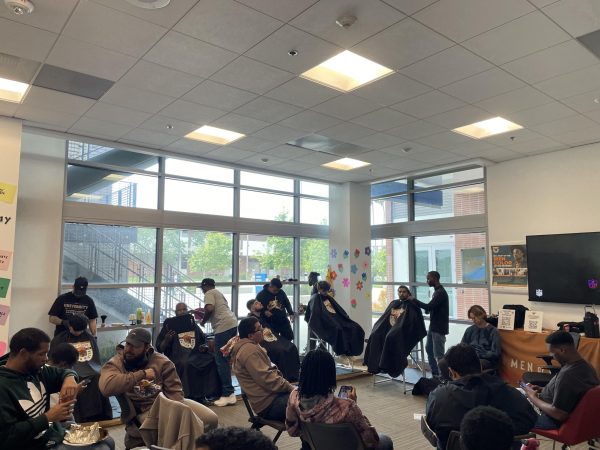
(448, 403)
(276, 304)
(25, 385)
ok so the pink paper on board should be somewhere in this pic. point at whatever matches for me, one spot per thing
(4, 311)
(2, 347)
(5, 257)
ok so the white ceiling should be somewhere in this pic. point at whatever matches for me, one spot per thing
(226, 63)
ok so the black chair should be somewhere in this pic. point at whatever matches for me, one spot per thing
(543, 378)
(258, 422)
(428, 432)
(327, 436)
(455, 443)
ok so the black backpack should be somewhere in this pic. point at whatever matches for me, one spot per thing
(590, 322)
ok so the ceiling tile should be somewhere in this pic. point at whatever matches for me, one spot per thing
(218, 95)
(538, 145)
(594, 115)
(310, 121)
(406, 164)
(383, 119)
(254, 76)
(278, 133)
(347, 132)
(579, 137)
(311, 50)
(111, 29)
(116, 114)
(319, 158)
(373, 16)
(49, 15)
(191, 147)
(184, 53)
(513, 101)
(418, 42)
(551, 62)
(57, 101)
(18, 69)
(89, 59)
(377, 141)
(290, 152)
(346, 106)
(447, 67)
(392, 89)
(62, 120)
(280, 9)
(159, 123)
(564, 125)
(462, 19)
(8, 108)
(521, 37)
(583, 103)
(155, 78)
(268, 110)
(506, 140)
(166, 17)
(301, 92)
(416, 130)
(228, 154)
(254, 144)
(374, 157)
(572, 83)
(99, 128)
(130, 97)
(409, 7)
(473, 148)
(483, 85)
(459, 117)
(261, 160)
(25, 41)
(191, 112)
(541, 114)
(436, 156)
(429, 104)
(578, 17)
(443, 140)
(227, 24)
(294, 167)
(500, 154)
(147, 137)
(240, 124)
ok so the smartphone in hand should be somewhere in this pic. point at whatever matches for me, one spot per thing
(344, 391)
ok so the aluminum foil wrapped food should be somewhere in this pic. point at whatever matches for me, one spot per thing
(80, 434)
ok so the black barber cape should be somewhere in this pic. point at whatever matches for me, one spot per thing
(389, 345)
(91, 404)
(195, 366)
(328, 320)
(279, 306)
(281, 351)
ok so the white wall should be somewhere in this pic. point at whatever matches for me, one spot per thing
(545, 194)
(38, 236)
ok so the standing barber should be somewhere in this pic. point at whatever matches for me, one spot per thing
(71, 304)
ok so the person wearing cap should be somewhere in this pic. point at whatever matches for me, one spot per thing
(224, 325)
(276, 303)
(137, 374)
(72, 303)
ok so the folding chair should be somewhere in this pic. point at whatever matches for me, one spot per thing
(327, 436)
(258, 422)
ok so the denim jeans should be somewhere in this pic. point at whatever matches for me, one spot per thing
(545, 422)
(435, 348)
(276, 410)
(385, 442)
(223, 363)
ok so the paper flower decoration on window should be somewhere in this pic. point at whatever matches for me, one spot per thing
(340, 268)
(368, 251)
(333, 253)
(353, 268)
(353, 303)
(356, 253)
(364, 276)
(359, 285)
(346, 253)
(346, 282)
(333, 274)
(366, 265)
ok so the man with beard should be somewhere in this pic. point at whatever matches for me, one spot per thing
(138, 374)
(276, 304)
(26, 421)
(72, 303)
(282, 352)
(183, 342)
(91, 404)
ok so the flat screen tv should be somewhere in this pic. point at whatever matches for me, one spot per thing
(564, 268)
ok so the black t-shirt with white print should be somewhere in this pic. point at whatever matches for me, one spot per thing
(68, 304)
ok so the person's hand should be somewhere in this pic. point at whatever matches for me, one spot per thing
(60, 412)
(268, 313)
(536, 388)
(149, 374)
(352, 394)
(69, 389)
(530, 391)
(291, 317)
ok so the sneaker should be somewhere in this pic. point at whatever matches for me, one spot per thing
(225, 401)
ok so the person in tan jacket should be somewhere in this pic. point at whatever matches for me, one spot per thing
(259, 378)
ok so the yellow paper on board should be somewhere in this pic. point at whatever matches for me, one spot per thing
(7, 192)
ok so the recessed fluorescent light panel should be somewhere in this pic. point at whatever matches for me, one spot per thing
(487, 128)
(346, 164)
(214, 135)
(12, 91)
(346, 71)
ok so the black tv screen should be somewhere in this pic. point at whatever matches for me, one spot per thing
(564, 268)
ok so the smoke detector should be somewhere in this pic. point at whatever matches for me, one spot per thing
(345, 21)
(19, 7)
(149, 4)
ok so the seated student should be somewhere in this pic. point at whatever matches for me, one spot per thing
(276, 304)
(394, 335)
(314, 400)
(260, 380)
(282, 352)
(234, 438)
(328, 320)
(91, 404)
(183, 342)
(26, 420)
(560, 396)
(448, 403)
(486, 428)
(139, 374)
(483, 337)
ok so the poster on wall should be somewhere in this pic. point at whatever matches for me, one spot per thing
(509, 265)
(473, 265)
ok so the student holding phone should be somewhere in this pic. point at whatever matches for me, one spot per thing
(314, 401)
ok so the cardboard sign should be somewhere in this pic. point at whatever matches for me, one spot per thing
(5, 257)
(506, 319)
(533, 321)
(4, 311)
(4, 283)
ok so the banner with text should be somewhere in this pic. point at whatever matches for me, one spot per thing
(509, 265)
